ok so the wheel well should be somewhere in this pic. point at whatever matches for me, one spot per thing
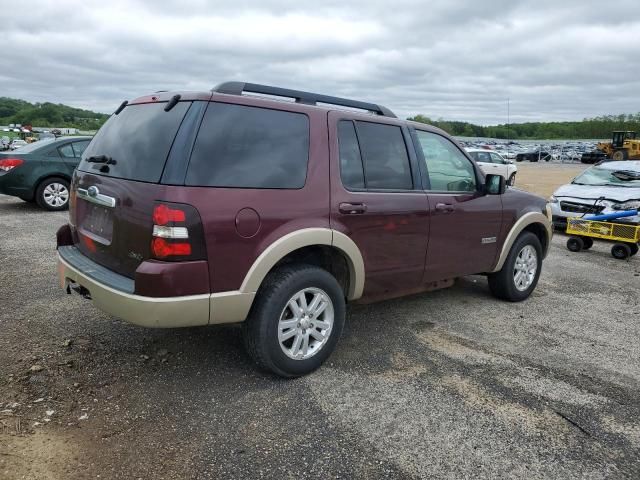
(539, 231)
(326, 257)
(46, 177)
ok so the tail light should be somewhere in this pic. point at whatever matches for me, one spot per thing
(177, 232)
(7, 164)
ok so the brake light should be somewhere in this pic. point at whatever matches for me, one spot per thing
(162, 249)
(177, 232)
(163, 214)
(7, 164)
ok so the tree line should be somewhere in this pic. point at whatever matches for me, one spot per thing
(48, 115)
(597, 128)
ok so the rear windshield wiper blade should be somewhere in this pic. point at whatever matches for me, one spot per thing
(101, 159)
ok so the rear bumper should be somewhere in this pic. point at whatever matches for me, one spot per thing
(114, 295)
(144, 311)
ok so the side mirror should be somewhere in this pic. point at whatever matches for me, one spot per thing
(495, 184)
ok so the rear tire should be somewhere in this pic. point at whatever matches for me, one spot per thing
(588, 243)
(53, 194)
(521, 270)
(575, 244)
(277, 321)
(621, 251)
(634, 248)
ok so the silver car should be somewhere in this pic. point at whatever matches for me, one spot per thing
(605, 188)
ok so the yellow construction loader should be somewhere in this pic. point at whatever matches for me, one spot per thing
(623, 146)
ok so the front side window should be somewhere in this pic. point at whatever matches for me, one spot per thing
(495, 158)
(447, 167)
(250, 147)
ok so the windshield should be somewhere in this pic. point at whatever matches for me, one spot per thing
(609, 177)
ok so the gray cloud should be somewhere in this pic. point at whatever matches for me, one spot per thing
(553, 60)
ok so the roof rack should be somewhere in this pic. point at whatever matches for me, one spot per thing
(308, 98)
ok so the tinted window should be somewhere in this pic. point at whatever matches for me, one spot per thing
(138, 139)
(350, 160)
(250, 147)
(79, 147)
(447, 167)
(66, 151)
(385, 158)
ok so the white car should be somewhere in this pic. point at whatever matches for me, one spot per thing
(493, 163)
(17, 144)
(605, 188)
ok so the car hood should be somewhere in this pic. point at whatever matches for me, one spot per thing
(618, 194)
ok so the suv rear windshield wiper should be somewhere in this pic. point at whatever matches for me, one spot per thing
(101, 159)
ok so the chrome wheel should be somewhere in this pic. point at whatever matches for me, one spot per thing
(55, 195)
(305, 323)
(525, 268)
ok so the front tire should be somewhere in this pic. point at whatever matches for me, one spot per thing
(53, 194)
(296, 320)
(620, 155)
(512, 180)
(521, 270)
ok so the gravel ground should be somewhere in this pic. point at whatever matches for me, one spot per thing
(450, 384)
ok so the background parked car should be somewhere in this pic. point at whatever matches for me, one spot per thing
(41, 171)
(534, 156)
(494, 163)
(605, 188)
(17, 143)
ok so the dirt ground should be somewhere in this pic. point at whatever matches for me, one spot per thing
(544, 178)
(449, 384)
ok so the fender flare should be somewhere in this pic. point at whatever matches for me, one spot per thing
(522, 223)
(305, 238)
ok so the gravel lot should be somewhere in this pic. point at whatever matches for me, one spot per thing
(450, 384)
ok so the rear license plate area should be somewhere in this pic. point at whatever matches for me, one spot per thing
(97, 223)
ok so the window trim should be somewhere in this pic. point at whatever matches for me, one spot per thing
(425, 172)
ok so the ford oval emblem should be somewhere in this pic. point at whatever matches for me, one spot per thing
(93, 191)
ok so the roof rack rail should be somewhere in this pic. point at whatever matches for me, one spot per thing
(308, 98)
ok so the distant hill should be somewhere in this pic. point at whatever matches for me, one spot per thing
(598, 127)
(48, 115)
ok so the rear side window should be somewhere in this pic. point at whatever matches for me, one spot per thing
(373, 156)
(80, 147)
(249, 147)
(138, 139)
(351, 170)
(66, 151)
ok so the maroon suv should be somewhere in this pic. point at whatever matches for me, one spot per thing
(276, 209)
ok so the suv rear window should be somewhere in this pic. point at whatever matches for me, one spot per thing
(138, 139)
(250, 147)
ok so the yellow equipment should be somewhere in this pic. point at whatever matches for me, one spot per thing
(623, 146)
(584, 231)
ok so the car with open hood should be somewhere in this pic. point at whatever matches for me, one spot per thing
(604, 188)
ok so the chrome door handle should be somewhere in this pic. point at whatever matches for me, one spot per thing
(444, 208)
(352, 208)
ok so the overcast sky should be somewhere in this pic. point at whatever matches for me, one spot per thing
(461, 60)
